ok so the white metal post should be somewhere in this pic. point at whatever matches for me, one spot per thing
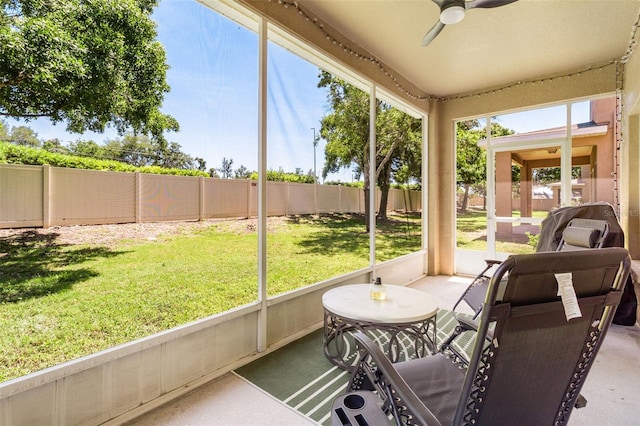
(425, 187)
(565, 163)
(262, 185)
(491, 195)
(372, 179)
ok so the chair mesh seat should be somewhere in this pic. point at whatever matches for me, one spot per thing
(438, 385)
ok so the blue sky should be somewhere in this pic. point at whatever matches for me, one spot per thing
(213, 79)
(545, 118)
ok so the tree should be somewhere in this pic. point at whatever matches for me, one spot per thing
(346, 130)
(131, 149)
(407, 168)
(140, 150)
(91, 64)
(86, 149)
(547, 175)
(242, 173)
(471, 160)
(22, 135)
(172, 157)
(227, 168)
(200, 164)
(54, 145)
(4, 131)
(398, 152)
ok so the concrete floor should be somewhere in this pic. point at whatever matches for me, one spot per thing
(611, 389)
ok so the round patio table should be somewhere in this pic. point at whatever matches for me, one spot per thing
(406, 315)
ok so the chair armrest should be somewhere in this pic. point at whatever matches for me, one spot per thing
(469, 324)
(373, 364)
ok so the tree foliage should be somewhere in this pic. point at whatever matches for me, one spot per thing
(136, 150)
(87, 149)
(54, 145)
(398, 151)
(346, 127)
(241, 173)
(91, 64)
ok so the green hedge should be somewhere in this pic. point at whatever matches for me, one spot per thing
(280, 176)
(16, 154)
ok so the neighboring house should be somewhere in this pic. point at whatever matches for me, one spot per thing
(593, 149)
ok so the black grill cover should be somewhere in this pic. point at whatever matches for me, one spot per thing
(557, 220)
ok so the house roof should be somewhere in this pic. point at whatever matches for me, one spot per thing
(556, 133)
(550, 138)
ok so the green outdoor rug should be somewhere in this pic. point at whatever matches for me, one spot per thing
(302, 377)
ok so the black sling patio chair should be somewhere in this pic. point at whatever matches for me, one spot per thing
(578, 234)
(568, 228)
(529, 369)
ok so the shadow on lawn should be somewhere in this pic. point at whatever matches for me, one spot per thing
(339, 233)
(35, 265)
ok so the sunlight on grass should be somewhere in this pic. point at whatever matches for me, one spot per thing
(471, 233)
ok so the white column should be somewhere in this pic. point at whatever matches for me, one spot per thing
(565, 163)
(372, 178)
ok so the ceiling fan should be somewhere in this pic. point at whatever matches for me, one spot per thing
(452, 12)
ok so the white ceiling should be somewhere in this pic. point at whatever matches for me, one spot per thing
(524, 40)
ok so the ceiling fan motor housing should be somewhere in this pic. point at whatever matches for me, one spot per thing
(452, 11)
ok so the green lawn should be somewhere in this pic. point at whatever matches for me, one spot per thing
(471, 231)
(62, 301)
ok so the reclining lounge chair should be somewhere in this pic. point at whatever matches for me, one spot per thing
(529, 369)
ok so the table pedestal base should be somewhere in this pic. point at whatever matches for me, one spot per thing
(398, 341)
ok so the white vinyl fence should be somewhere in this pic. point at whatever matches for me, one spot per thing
(44, 196)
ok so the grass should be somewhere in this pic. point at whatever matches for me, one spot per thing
(472, 233)
(63, 301)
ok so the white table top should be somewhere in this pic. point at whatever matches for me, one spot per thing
(402, 305)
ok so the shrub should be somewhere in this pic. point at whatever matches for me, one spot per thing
(533, 239)
(16, 154)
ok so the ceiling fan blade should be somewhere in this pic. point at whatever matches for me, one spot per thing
(450, 5)
(487, 4)
(432, 33)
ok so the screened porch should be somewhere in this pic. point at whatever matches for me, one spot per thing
(522, 57)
